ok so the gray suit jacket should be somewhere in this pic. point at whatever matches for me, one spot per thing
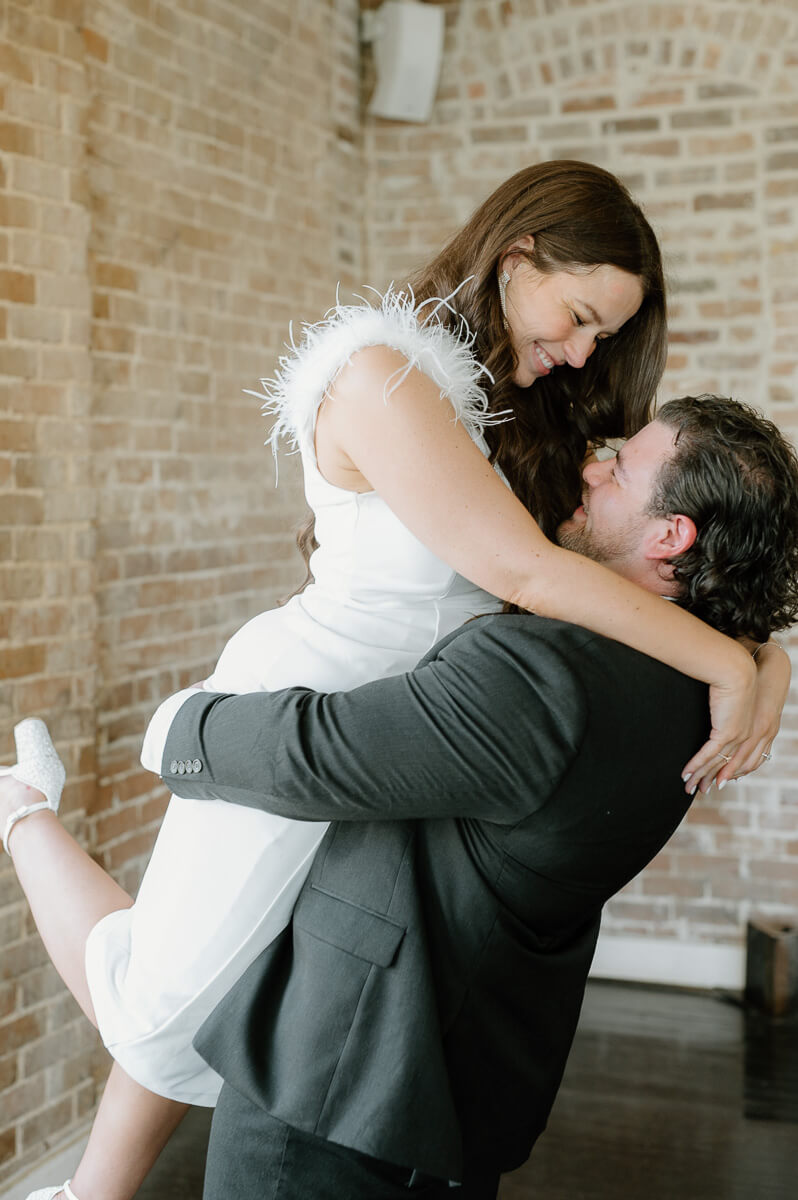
(421, 1006)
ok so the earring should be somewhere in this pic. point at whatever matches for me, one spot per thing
(504, 279)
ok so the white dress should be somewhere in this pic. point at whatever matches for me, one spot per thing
(223, 879)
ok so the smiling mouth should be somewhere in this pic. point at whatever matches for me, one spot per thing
(546, 362)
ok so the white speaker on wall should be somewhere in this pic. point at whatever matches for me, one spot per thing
(408, 47)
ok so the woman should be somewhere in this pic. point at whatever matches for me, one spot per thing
(558, 275)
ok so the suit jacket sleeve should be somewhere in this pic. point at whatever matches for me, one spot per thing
(484, 729)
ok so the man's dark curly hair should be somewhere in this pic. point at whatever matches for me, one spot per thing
(736, 476)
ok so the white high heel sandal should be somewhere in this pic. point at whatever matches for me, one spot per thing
(49, 1193)
(39, 766)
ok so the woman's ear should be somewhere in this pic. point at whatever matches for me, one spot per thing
(516, 253)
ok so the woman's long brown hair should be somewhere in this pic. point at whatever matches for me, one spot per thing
(580, 217)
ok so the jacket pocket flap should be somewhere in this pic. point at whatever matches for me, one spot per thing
(348, 927)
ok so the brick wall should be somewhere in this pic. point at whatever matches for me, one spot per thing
(696, 108)
(48, 651)
(177, 181)
(218, 143)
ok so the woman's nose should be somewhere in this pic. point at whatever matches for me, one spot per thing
(579, 347)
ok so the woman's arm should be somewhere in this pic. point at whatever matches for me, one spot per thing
(427, 469)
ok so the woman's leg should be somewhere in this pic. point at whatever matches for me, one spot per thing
(68, 894)
(130, 1130)
(68, 891)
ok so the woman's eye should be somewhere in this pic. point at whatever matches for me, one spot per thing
(577, 319)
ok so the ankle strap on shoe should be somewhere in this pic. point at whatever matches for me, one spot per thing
(66, 1189)
(15, 816)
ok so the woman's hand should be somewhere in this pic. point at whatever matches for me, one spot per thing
(770, 694)
(731, 707)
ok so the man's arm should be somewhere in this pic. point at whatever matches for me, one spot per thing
(484, 730)
(159, 726)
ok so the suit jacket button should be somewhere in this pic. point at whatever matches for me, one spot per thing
(197, 764)
(173, 766)
(181, 767)
(189, 767)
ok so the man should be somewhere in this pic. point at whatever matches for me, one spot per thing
(410, 1028)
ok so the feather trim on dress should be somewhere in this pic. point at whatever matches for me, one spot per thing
(301, 381)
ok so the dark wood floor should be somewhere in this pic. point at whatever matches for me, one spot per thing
(668, 1095)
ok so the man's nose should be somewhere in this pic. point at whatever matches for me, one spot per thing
(594, 471)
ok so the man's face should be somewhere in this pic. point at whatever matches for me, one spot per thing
(612, 525)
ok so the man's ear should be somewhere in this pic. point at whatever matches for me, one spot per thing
(671, 537)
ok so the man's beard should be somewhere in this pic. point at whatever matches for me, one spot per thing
(621, 551)
(611, 550)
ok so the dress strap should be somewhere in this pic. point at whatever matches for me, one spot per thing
(304, 375)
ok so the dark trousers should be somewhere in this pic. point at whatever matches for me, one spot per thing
(252, 1156)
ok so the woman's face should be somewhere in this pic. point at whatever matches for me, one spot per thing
(557, 319)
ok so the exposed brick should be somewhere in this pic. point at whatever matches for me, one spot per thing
(65, 1042)
(20, 509)
(22, 660)
(18, 211)
(708, 913)
(22, 1098)
(713, 309)
(8, 1072)
(18, 287)
(36, 325)
(17, 435)
(15, 64)
(630, 125)
(693, 337)
(114, 275)
(96, 45)
(126, 850)
(496, 134)
(786, 872)
(8, 1144)
(20, 583)
(710, 201)
(51, 1121)
(786, 161)
(40, 985)
(701, 118)
(17, 138)
(659, 148)
(589, 103)
(18, 1032)
(7, 999)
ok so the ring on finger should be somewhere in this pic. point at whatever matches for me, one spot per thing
(766, 755)
(723, 756)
